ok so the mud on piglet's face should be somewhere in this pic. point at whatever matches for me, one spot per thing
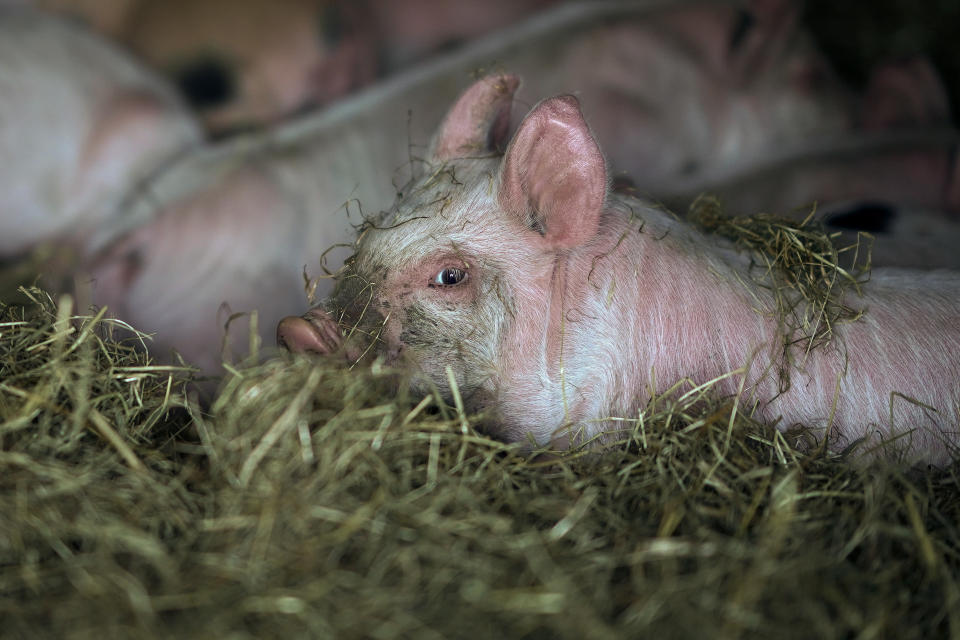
(439, 303)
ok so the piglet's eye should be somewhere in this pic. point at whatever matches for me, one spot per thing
(450, 276)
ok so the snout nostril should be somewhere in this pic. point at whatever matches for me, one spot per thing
(315, 332)
(296, 335)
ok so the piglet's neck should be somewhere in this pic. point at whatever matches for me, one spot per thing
(651, 302)
(647, 304)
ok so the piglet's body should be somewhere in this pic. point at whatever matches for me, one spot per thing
(557, 304)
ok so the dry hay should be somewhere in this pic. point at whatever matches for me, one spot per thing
(799, 263)
(314, 501)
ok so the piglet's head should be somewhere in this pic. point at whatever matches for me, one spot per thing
(460, 273)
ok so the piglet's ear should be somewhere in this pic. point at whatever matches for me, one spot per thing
(553, 177)
(479, 121)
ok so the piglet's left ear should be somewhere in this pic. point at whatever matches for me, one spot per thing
(553, 176)
(479, 120)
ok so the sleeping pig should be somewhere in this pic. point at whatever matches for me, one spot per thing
(82, 126)
(554, 303)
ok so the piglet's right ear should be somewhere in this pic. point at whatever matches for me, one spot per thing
(479, 121)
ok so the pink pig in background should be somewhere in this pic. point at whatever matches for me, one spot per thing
(557, 304)
(82, 126)
(243, 63)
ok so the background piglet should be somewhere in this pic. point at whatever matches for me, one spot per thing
(900, 236)
(82, 125)
(412, 30)
(555, 304)
(244, 63)
(250, 62)
(904, 190)
(108, 17)
(240, 63)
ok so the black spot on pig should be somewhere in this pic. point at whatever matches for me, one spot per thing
(873, 217)
(207, 82)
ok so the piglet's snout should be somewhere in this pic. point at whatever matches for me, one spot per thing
(314, 332)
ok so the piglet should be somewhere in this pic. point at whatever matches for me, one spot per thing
(245, 63)
(82, 126)
(556, 304)
(250, 62)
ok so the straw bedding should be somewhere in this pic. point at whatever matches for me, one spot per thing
(311, 500)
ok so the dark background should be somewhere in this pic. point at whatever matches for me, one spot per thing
(858, 34)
